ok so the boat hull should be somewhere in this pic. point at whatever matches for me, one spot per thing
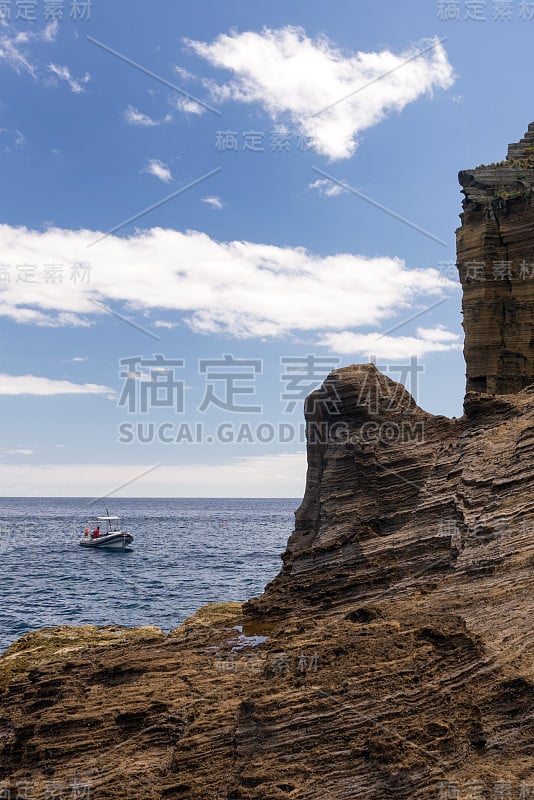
(119, 540)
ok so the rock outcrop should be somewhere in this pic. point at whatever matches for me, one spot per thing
(496, 263)
(394, 492)
(393, 657)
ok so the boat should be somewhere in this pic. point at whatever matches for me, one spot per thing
(111, 538)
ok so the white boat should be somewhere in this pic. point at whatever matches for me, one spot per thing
(111, 538)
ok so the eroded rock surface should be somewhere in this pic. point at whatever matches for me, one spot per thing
(393, 656)
(496, 263)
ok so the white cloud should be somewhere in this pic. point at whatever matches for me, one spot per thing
(39, 318)
(12, 54)
(295, 77)
(213, 201)
(326, 187)
(15, 138)
(13, 385)
(159, 170)
(187, 105)
(50, 32)
(161, 323)
(20, 139)
(184, 74)
(261, 476)
(240, 288)
(15, 45)
(135, 117)
(19, 451)
(78, 359)
(428, 340)
(76, 85)
(438, 334)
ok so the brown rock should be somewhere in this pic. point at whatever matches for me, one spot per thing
(399, 655)
(496, 263)
(393, 657)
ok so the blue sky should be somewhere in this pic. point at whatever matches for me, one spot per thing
(310, 155)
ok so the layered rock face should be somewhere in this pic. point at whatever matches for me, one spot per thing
(393, 491)
(496, 262)
(392, 658)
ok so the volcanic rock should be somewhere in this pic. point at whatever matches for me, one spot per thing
(393, 656)
(495, 247)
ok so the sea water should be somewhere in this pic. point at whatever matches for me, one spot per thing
(185, 553)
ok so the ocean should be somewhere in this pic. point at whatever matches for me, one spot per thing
(186, 552)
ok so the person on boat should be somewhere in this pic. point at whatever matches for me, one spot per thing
(96, 532)
(86, 531)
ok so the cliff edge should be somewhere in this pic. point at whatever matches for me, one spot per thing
(393, 656)
(495, 246)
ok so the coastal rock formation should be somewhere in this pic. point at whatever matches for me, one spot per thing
(495, 247)
(393, 491)
(392, 658)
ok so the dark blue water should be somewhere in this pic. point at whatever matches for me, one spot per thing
(186, 553)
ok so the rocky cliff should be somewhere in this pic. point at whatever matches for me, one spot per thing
(393, 657)
(496, 261)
